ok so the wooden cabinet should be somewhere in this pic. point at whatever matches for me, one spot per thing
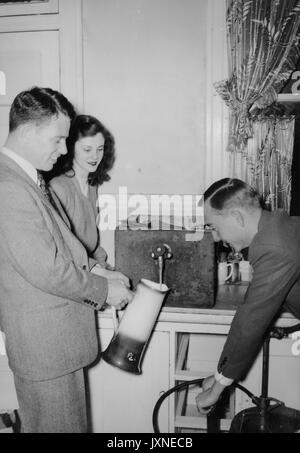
(184, 346)
(197, 357)
(284, 375)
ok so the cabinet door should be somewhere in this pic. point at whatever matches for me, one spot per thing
(284, 376)
(284, 372)
(26, 59)
(122, 402)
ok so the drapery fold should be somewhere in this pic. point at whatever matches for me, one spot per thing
(263, 50)
(269, 160)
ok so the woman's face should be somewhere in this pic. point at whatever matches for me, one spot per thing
(88, 153)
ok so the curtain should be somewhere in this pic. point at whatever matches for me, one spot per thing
(263, 49)
(268, 162)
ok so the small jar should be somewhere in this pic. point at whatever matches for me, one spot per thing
(234, 258)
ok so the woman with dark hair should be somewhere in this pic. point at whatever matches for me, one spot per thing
(85, 132)
(79, 173)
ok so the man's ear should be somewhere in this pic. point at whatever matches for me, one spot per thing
(239, 216)
(26, 132)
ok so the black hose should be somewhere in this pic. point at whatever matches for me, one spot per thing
(165, 395)
(277, 332)
(185, 385)
(291, 329)
(281, 332)
(254, 399)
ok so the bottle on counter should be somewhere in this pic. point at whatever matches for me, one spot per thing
(224, 269)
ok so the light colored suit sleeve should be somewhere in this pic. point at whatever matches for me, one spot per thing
(38, 252)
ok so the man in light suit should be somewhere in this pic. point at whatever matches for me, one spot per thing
(233, 211)
(48, 296)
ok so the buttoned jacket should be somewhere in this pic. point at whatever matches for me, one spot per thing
(48, 296)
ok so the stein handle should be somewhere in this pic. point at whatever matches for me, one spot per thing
(231, 271)
(115, 318)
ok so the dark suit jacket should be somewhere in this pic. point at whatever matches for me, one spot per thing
(275, 257)
(48, 297)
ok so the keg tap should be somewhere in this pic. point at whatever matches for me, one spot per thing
(161, 254)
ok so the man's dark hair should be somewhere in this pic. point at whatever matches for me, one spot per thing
(38, 105)
(227, 193)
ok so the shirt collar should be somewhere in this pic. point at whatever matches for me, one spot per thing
(24, 164)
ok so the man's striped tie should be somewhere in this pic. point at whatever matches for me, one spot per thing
(45, 189)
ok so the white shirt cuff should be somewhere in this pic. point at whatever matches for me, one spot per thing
(223, 380)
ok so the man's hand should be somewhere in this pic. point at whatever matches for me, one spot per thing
(209, 396)
(110, 275)
(208, 382)
(116, 275)
(118, 294)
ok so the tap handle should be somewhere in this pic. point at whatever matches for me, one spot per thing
(158, 252)
(163, 251)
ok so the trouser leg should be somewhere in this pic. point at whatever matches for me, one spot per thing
(53, 406)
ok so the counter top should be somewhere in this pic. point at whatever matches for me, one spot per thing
(227, 300)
